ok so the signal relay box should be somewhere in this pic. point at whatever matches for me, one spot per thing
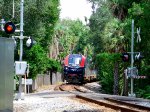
(20, 67)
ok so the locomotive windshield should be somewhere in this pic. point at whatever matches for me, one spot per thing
(74, 60)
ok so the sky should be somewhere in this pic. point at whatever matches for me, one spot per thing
(74, 9)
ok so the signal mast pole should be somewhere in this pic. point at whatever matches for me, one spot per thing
(21, 45)
(21, 29)
(132, 58)
(13, 12)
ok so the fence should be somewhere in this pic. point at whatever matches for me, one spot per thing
(44, 79)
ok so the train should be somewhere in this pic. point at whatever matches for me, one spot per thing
(76, 70)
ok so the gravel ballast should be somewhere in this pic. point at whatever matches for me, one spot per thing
(56, 104)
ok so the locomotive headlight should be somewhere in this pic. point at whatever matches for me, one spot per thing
(66, 68)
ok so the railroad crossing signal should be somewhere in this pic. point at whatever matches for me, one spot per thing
(139, 56)
(132, 71)
(139, 77)
(135, 73)
(125, 57)
(138, 35)
(9, 28)
(30, 42)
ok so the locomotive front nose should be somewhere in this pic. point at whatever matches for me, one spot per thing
(66, 68)
(80, 70)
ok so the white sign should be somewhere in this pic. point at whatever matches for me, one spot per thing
(28, 81)
(138, 35)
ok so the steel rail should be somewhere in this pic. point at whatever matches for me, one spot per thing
(128, 104)
(123, 107)
(109, 105)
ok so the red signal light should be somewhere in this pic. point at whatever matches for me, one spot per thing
(9, 28)
(125, 57)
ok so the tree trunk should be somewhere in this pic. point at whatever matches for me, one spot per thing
(51, 74)
(116, 79)
(125, 85)
(57, 49)
(116, 76)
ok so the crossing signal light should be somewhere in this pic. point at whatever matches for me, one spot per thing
(125, 57)
(139, 56)
(30, 42)
(9, 28)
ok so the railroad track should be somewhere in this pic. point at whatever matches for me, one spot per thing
(73, 88)
(123, 107)
(128, 104)
(107, 102)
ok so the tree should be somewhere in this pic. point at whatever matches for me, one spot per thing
(70, 37)
(37, 60)
(110, 30)
(40, 18)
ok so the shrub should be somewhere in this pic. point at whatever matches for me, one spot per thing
(105, 64)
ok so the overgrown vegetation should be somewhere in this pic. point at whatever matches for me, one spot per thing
(40, 18)
(70, 37)
(110, 32)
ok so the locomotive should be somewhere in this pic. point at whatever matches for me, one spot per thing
(74, 68)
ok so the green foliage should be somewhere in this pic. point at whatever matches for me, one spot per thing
(140, 13)
(54, 65)
(97, 24)
(40, 18)
(136, 9)
(110, 31)
(37, 60)
(113, 37)
(145, 92)
(72, 36)
(105, 65)
(40, 63)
